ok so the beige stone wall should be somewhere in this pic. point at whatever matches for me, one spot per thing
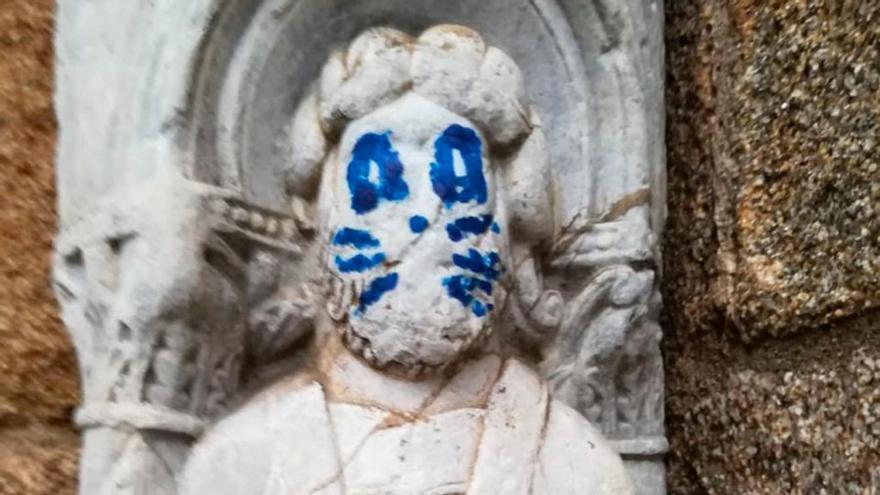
(772, 271)
(38, 387)
(772, 280)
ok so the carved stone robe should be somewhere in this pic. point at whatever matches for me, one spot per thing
(491, 429)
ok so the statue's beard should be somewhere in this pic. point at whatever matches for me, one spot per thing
(411, 348)
(418, 314)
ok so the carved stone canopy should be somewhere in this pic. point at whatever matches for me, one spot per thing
(326, 255)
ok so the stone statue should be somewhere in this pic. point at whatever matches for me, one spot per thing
(409, 388)
(372, 281)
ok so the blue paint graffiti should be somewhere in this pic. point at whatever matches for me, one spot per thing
(449, 186)
(377, 288)
(356, 238)
(486, 266)
(365, 195)
(359, 262)
(359, 239)
(468, 225)
(481, 309)
(463, 287)
(375, 174)
(418, 224)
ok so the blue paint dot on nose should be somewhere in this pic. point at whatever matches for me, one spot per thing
(418, 224)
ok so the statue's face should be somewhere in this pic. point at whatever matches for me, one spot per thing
(415, 243)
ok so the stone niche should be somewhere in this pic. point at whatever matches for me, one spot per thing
(374, 246)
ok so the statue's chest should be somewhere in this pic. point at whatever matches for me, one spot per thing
(379, 454)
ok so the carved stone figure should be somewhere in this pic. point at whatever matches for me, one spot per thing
(396, 275)
(408, 390)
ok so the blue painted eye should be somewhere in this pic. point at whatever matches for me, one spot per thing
(374, 149)
(449, 186)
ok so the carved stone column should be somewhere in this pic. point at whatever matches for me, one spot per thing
(195, 166)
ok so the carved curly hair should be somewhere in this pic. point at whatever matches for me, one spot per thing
(451, 66)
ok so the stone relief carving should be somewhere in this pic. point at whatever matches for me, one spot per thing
(160, 353)
(370, 305)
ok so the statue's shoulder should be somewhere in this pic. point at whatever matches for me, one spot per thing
(576, 458)
(282, 435)
(535, 444)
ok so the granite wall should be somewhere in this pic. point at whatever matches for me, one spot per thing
(772, 272)
(38, 386)
(772, 248)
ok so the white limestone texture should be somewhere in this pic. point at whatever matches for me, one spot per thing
(327, 438)
(404, 262)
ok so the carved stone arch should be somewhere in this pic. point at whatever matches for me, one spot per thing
(122, 93)
(273, 61)
(602, 59)
(207, 57)
(622, 50)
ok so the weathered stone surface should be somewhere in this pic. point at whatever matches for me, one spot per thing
(783, 418)
(773, 232)
(38, 382)
(776, 104)
(37, 362)
(802, 120)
